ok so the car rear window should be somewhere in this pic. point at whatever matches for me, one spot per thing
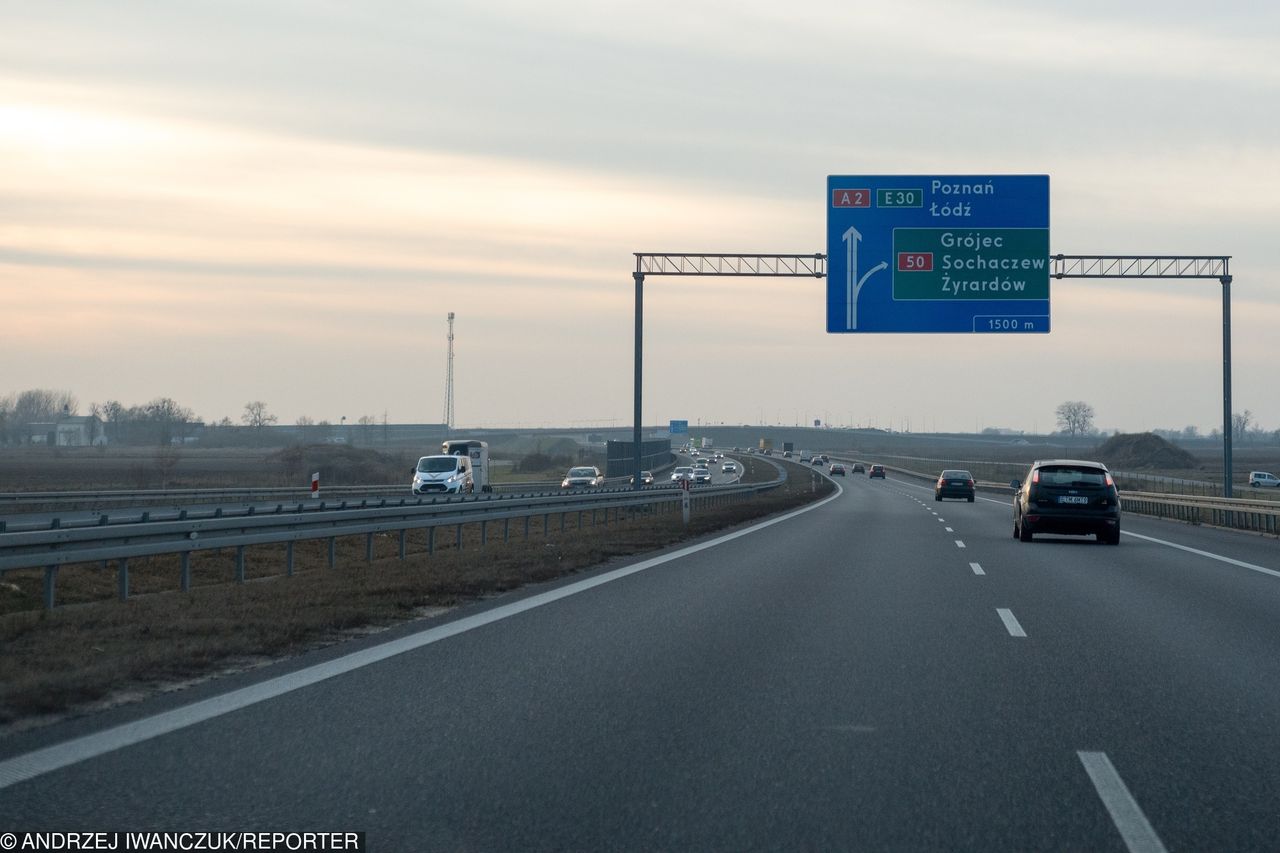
(957, 475)
(1064, 475)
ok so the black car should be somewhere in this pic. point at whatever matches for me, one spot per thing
(1067, 496)
(876, 471)
(954, 484)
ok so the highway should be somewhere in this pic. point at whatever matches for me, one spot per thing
(876, 672)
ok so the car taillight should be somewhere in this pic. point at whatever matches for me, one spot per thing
(1110, 482)
(1035, 476)
(972, 484)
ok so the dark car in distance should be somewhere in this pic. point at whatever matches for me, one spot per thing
(837, 470)
(954, 483)
(876, 471)
(1068, 496)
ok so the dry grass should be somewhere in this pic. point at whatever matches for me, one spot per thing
(94, 646)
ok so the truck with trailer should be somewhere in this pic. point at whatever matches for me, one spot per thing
(461, 466)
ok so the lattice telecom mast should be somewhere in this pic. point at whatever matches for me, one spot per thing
(448, 381)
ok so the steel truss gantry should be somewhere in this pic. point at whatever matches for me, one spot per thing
(1169, 266)
(813, 265)
(1064, 266)
(1140, 266)
(784, 266)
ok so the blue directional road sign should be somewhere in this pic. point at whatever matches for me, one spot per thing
(938, 253)
(679, 427)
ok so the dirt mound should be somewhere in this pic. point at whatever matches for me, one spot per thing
(1136, 451)
(341, 465)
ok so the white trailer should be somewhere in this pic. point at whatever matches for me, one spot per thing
(478, 453)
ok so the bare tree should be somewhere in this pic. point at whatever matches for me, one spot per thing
(166, 419)
(1240, 423)
(39, 405)
(6, 418)
(112, 413)
(305, 421)
(1075, 417)
(256, 415)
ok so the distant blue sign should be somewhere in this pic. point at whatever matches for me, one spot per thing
(678, 427)
(938, 253)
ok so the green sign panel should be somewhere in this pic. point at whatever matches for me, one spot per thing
(900, 198)
(970, 264)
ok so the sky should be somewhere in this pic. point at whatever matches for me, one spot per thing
(241, 200)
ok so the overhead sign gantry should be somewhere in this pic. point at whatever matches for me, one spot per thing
(938, 253)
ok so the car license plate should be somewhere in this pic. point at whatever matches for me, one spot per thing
(1072, 499)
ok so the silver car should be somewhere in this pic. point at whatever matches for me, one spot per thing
(684, 472)
(583, 477)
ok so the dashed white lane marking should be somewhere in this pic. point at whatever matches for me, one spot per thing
(1134, 827)
(1010, 622)
(949, 530)
(19, 768)
(959, 543)
(977, 569)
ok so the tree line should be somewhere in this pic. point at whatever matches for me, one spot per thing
(161, 421)
(1075, 417)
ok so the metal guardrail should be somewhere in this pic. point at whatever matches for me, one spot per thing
(1235, 513)
(27, 501)
(24, 501)
(1125, 479)
(184, 535)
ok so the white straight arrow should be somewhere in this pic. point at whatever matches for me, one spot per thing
(852, 238)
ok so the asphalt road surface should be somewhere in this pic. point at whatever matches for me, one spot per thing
(880, 672)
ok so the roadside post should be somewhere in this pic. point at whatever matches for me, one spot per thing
(315, 485)
(685, 486)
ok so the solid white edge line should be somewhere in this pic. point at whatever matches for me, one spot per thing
(1010, 622)
(1134, 827)
(1199, 553)
(1241, 563)
(41, 761)
(977, 568)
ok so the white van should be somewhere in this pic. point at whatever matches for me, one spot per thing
(443, 473)
(1262, 478)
